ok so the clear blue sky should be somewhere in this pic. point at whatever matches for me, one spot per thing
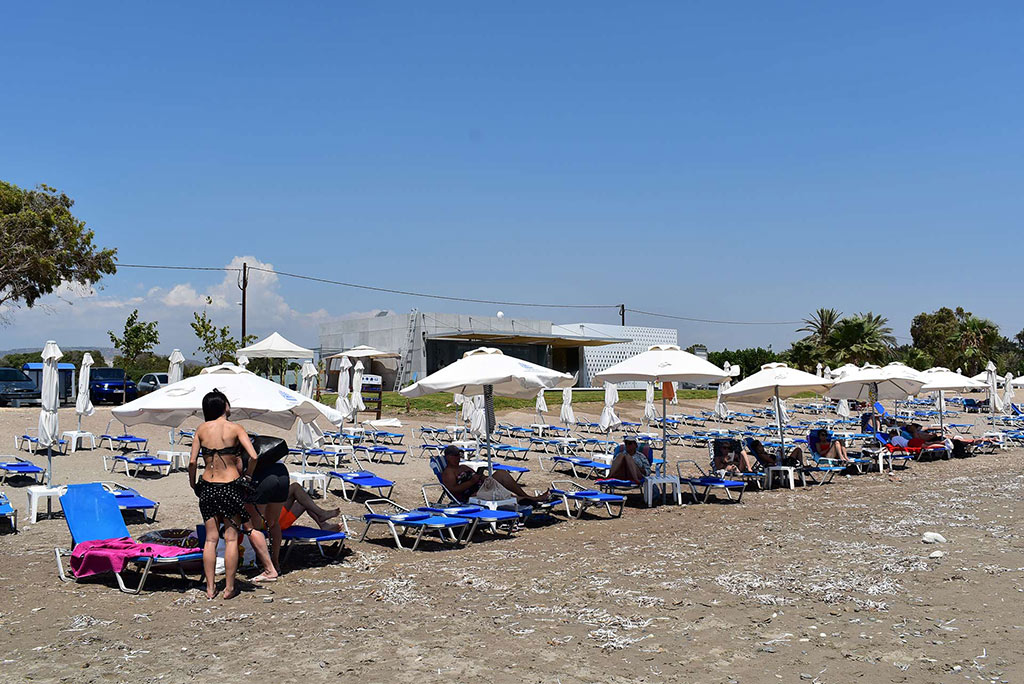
(747, 161)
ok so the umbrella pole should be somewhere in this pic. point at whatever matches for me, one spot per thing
(942, 426)
(488, 402)
(778, 421)
(49, 465)
(664, 422)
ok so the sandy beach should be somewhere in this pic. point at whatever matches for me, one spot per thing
(818, 584)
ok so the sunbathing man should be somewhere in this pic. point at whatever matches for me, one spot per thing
(631, 462)
(794, 459)
(464, 482)
(300, 502)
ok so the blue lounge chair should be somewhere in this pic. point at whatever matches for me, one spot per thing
(60, 446)
(92, 514)
(359, 481)
(140, 461)
(377, 452)
(824, 465)
(300, 534)
(124, 441)
(708, 483)
(8, 511)
(21, 467)
(583, 498)
(400, 521)
(490, 518)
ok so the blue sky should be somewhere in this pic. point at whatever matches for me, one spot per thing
(742, 161)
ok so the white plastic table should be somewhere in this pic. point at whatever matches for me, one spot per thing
(787, 473)
(310, 481)
(74, 436)
(664, 482)
(37, 492)
(178, 459)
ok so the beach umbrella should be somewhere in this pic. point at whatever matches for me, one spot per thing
(342, 403)
(818, 372)
(894, 381)
(83, 403)
(486, 371)
(843, 408)
(567, 415)
(1008, 393)
(304, 431)
(251, 398)
(782, 410)
(675, 394)
(608, 419)
(477, 420)
(943, 380)
(776, 381)
(650, 414)
(721, 408)
(664, 363)
(995, 403)
(242, 360)
(541, 405)
(176, 369)
(356, 399)
(49, 426)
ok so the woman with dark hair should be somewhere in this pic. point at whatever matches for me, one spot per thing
(223, 493)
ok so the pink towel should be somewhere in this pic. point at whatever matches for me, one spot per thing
(110, 555)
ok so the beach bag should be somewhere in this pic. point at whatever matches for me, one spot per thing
(268, 450)
(492, 490)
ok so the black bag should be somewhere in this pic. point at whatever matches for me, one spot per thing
(268, 450)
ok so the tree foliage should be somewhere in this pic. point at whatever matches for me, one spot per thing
(43, 245)
(749, 360)
(216, 344)
(821, 323)
(138, 337)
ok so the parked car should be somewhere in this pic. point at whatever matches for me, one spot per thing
(151, 382)
(111, 384)
(17, 388)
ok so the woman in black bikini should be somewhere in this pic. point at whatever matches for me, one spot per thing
(223, 493)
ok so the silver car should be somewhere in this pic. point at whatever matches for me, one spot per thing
(151, 382)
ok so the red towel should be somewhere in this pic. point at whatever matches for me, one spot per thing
(110, 555)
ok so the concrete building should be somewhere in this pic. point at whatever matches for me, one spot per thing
(429, 341)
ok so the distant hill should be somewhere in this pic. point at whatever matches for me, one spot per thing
(108, 352)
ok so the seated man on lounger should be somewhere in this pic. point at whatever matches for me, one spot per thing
(464, 482)
(631, 462)
(794, 459)
(299, 502)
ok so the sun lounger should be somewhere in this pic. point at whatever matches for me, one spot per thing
(20, 442)
(707, 483)
(9, 512)
(123, 442)
(92, 515)
(140, 461)
(511, 451)
(297, 534)
(583, 498)
(378, 452)
(490, 518)
(360, 480)
(20, 466)
(401, 521)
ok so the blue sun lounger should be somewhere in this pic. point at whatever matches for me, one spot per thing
(313, 535)
(377, 452)
(479, 515)
(360, 480)
(8, 511)
(20, 466)
(140, 460)
(60, 446)
(401, 521)
(92, 514)
(583, 498)
(511, 451)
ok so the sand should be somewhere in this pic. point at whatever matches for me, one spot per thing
(824, 584)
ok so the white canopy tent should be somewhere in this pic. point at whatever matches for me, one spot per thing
(663, 363)
(777, 381)
(365, 352)
(486, 371)
(49, 425)
(275, 346)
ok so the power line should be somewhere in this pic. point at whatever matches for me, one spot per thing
(433, 296)
(181, 268)
(709, 320)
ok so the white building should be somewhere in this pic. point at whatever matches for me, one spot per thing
(597, 359)
(428, 341)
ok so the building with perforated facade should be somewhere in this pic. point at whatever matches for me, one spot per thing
(596, 359)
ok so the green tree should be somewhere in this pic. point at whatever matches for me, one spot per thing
(976, 340)
(913, 357)
(43, 245)
(936, 335)
(864, 338)
(216, 344)
(138, 337)
(820, 324)
(749, 360)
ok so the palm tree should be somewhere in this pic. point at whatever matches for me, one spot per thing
(820, 324)
(975, 340)
(864, 338)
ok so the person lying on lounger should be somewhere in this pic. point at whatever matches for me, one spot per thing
(464, 482)
(794, 459)
(299, 502)
(631, 462)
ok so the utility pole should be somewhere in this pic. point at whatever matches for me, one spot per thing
(245, 283)
(622, 313)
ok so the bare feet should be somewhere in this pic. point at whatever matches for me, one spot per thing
(332, 513)
(228, 595)
(264, 577)
(330, 527)
(211, 593)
